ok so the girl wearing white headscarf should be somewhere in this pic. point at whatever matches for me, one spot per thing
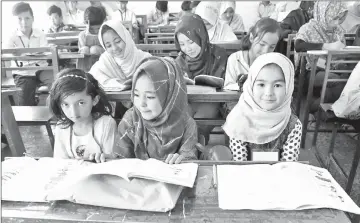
(116, 71)
(228, 15)
(218, 31)
(262, 119)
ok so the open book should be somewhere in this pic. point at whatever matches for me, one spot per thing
(281, 186)
(46, 179)
(206, 80)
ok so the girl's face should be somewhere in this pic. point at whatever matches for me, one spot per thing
(94, 29)
(77, 107)
(228, 14)
(189, 47)
(55, 19)
(269, 89)
(339, 19)
(207, 24)
(113, 43)
(265, 45)
(145, 98)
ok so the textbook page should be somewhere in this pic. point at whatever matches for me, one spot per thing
(25, 179)
(281, 186)
(151, 169)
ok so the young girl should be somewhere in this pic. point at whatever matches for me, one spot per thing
(228, 15)
(262, 38)
(323, 33)
(262, 119)
(117, 64)
(158, 126)
(218, 31)
(198, 56)
(88, 39)
(85, 129)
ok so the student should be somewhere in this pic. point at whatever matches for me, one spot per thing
(56, 18)
(117, 64)
(185, 8)
(262, 38)
(323, 33)
(102, 7)
(352, 20)
(88, 39)
(26, 36)
(158, 126)
(159, 16)
(123, 14)
(74, 16)
(198, 56)
(228, 15)
(218, 31)
(85, 128)
(262, 119)
(267, 10)
(297, 18)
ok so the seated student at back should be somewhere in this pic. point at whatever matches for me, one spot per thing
(85, 128)
(185, 8)
(262, 119)
(218, 30)
(26, 36)
(56, 18)
(228, 15)
(199, 57)
(323, 33)
(74, 16)
(123, 14)
(158, 126)
(159, 15)
(89, 43)
(262, 38)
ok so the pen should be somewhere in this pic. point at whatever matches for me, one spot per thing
(214, 176)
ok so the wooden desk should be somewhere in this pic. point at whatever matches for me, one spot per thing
(62, 40)
(198, 204)
(63, 33)
(8, 121)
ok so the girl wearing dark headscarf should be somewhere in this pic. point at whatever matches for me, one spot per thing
(159, 125)
(198, 56)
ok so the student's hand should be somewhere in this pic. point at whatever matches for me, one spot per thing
(334, 46)
(174, 158)
(100, 157)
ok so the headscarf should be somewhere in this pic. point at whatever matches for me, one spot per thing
(220, 31)
(236, 23)
(118, 67)
(164, 135)
(248, 122)
(317, 30)
(211, 60)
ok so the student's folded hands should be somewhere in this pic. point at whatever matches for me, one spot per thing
(100, 157)
(174, 158)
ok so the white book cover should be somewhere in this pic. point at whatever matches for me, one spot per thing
(281, 186)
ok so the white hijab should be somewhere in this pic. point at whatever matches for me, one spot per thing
(210, 12)
(249, 122)
(123, 67)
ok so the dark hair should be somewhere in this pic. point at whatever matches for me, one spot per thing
(94, 15)
(54, 9)
(22, 7)
(306, 5)
(185, 6)
(71, 81)
(194, 4)
(263, 26)
(162, 5)
(124, 2)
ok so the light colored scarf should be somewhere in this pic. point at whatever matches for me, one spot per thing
(248, 122)
(121, 68)
(236, 23)
(210, 12)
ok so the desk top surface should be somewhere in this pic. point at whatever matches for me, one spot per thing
(199, 204)
(62, 55)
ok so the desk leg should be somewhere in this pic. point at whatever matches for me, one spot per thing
(301, 83)
(81, 63)
(11, 129)
(354, 166)
(307, 103)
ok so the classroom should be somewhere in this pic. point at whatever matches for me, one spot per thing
(180, 111)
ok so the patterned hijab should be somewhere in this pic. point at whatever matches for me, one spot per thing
(211, 60)
(164, 135)
(317, 30)
(248, 122)
(120, 67)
